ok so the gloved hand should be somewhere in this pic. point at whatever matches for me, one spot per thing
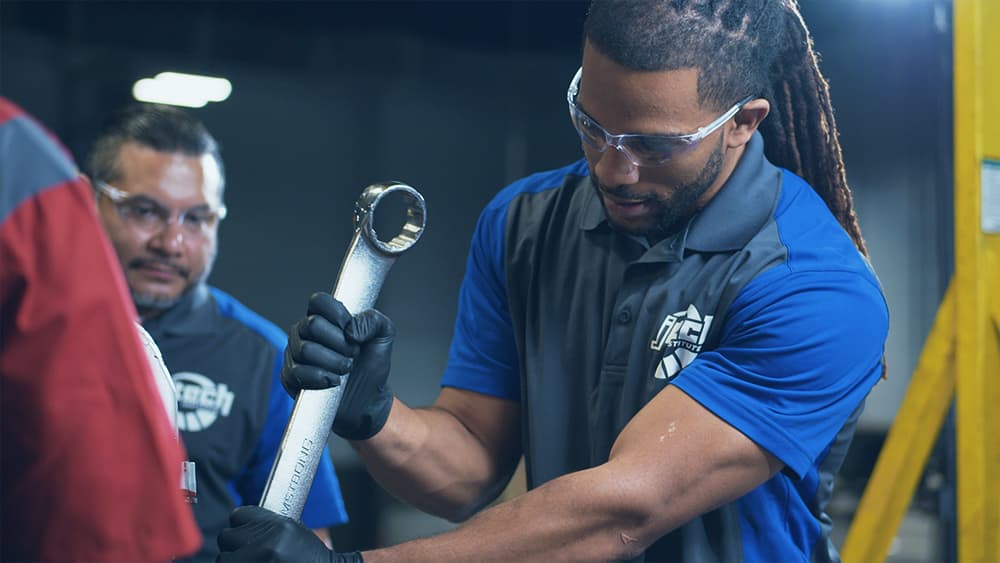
(328, 343)
(259, 535)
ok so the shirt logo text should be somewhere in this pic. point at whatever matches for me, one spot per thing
(200, 401)
(681, 337)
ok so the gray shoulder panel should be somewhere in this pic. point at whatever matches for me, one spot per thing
(30, 161)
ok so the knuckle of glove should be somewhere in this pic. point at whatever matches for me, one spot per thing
(328, 307)
(293, 353)
(369, 325)
(320, 356)
(314, 327)
(290, 379)
(319, 300)
(310, 377)
(320, 330)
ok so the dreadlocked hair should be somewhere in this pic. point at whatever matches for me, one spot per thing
(741, 47)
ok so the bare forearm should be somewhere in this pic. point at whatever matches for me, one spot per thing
(579, 517)
(654, 482)
(427, 458)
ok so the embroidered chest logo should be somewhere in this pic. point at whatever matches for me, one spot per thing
(681, 337)
(200, 401)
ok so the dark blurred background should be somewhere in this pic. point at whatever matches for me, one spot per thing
(458, 99)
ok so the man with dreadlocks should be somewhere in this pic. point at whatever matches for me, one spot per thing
(678, 331)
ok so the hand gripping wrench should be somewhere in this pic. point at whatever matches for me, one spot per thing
(360, 279)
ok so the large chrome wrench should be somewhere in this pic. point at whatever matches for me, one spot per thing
(360, 279)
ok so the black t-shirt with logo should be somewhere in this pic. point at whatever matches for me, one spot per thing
(232, 412)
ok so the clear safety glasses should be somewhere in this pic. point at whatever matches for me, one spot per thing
(148, 215)
(641, 149)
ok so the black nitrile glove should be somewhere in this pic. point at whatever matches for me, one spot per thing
(318, 352)
(259, 535)
(328, 343)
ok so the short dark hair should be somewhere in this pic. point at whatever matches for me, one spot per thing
(159, 127)
(741, 48)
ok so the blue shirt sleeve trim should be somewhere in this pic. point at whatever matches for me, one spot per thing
(783, 374)
(483, 353)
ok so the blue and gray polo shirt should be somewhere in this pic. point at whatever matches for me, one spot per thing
(762, 310)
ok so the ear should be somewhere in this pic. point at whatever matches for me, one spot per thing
(746, 121)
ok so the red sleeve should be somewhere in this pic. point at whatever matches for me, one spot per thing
(91, 467)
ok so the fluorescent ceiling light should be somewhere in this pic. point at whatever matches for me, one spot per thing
(180, 89)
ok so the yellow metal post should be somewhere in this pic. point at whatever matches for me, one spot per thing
(977, 242)
(961, 357)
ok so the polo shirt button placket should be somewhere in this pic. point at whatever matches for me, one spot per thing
(624, 316)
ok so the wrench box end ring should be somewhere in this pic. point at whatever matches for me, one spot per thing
(416, 216)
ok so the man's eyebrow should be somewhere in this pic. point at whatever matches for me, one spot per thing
(143, 198)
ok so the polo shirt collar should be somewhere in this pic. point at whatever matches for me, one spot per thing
(193, 314)
(741, 207)
(736, 213)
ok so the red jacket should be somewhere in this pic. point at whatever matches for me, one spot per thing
(91, 467)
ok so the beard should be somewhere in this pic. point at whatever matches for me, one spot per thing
(159, 303)
(672, 211)
(152, 303)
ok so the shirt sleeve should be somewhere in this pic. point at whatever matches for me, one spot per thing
(483, 353)
(324, 506)
(798, 353)
(91, 467)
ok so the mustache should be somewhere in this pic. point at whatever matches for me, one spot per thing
(623, 192)
(152, 262)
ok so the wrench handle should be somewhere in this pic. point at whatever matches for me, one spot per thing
(309, 427)
(365, 267)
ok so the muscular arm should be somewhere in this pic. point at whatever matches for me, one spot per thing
(673, 461)
(449, 459)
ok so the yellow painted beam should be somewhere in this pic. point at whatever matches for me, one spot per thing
(961, 357)
(907, 446)
(994, 259)
(977, 140)
(991, 364)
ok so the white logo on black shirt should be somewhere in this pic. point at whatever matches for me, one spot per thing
(200, 401)
(681, 336)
